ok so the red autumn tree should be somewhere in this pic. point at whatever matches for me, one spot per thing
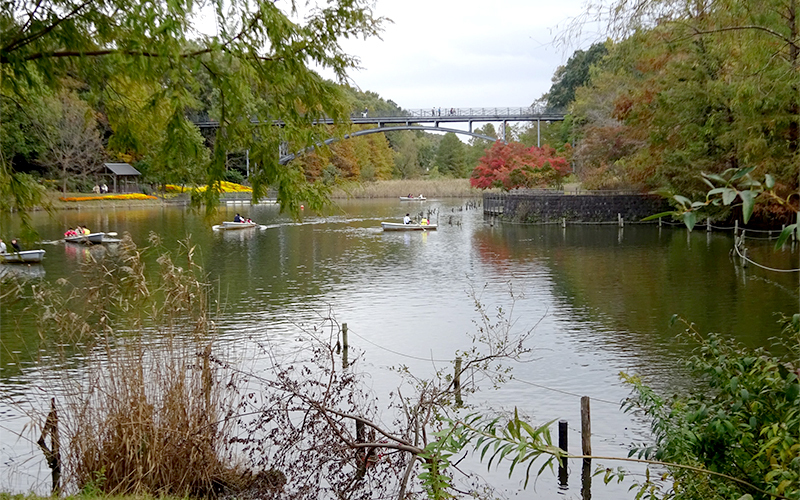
(514, 165)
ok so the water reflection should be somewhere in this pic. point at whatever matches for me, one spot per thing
(21, 271)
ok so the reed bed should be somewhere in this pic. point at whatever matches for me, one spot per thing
(144, 412)
(432, 188)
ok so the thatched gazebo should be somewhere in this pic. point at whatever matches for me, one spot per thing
(123, 175)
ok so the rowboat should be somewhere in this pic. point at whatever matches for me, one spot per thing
(23, 257)
(399, 226)
(88, 239)
(412, 198)
(237, 225)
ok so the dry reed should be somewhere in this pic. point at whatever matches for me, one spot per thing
(433, 188)
(142, 414)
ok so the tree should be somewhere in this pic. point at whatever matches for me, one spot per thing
(511, 166)
(450, 156)
(704, 87)
(574, 74)
(259, 65)
(407, 162)
(72, 140)
(478, 146)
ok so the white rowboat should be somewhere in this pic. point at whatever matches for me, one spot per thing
(237, 225)
(412, 198)
(23, 257)
(399, 226)
(88, 239)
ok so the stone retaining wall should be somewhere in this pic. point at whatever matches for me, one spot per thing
(549, 206)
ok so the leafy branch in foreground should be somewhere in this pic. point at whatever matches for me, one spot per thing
(735, 187)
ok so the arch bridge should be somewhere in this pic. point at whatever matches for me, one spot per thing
(436, 117)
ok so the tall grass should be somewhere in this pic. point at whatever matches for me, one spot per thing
(434, 188)
(141, 413)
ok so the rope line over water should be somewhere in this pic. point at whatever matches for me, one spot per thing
(615, 403)
(400, 353)
(751, 261)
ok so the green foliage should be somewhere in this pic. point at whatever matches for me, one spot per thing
(95, 486)
(732, 188)
(451, 156)
(259, 67)
(744, 426)
(478, 146)
(500, 440)
(574, 74)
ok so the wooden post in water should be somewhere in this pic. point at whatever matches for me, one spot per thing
(562, 464)
(52, 454)
(345, 345)
(586, 427)
(563, 222)
(457, 382)
(586, 449)
(619, 220)
(708, 225)
(736, 227)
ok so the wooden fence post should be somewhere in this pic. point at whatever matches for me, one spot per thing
(52, 454)
(345, 345)
(457, 381)
(586, 427)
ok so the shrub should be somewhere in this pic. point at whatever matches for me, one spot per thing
(744, 426)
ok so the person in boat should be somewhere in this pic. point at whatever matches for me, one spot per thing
(238, 218)
(86, 230)
(410, 195)
(2, 247)
(407, 219)
(423, 222)
(70, 232)
(249, 220)
(15, 245)
(420, 196)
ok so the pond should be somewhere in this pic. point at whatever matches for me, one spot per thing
(598, 300)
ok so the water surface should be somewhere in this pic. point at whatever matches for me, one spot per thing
(598, 298)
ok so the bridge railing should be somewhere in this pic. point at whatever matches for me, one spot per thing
(510, 112)
(529, 112)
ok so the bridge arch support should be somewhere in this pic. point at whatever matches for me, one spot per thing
(284, 159)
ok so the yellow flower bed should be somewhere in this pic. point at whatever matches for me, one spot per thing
(127, 196)
(225, 187)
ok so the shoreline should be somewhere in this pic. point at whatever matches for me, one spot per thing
(388, 189)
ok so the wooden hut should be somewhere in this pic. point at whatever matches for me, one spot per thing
(124, 177)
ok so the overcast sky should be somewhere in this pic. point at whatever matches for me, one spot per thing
(464, 53)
